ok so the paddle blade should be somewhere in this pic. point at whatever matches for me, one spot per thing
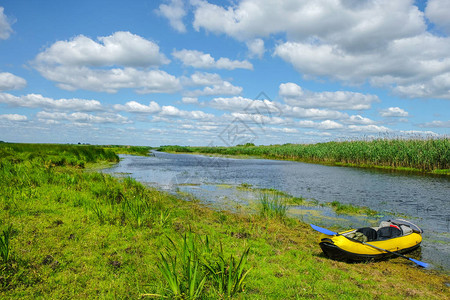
(323, 230)
(419, 263)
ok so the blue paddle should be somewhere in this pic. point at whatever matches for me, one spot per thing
(329, 232)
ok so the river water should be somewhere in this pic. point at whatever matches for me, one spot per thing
(424, 200)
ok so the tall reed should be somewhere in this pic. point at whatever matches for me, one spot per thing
(416, 153)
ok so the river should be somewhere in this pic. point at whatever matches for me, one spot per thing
(424, 200)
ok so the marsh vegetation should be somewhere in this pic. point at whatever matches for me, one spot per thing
(424, 155)
(68, 233)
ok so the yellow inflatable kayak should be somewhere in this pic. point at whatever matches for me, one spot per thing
(368, 243)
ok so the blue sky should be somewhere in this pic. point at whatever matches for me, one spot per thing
(223, 72)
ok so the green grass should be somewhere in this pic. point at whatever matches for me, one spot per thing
(85, 235)
(422, 155)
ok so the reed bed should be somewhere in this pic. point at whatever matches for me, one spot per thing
(426, 155)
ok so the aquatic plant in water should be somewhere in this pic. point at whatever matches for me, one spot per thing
(272, 205)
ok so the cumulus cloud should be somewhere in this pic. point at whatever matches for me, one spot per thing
(121, 48)
(256, 48)
(324, 125)
(80, 117)
(39, 101)
(385, 43)
(257, 119)
(312, 113)
(10, 81)
(223, 88)
(202, 78)
(436, 124)
(368, 128)
(108, 65)
(136, 107)
(270, 108)
(162, 111)
(172, 111)
(110, 81)
(359, 120)
(393, 112)
(413, 67)
(189, 100)
(240, 104)
(294, 95)
(13, 117)
(174, 12)
(438, 12)
(198, 59)
(365, 23)
(5, 25)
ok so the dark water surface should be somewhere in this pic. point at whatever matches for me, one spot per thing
(425, 200)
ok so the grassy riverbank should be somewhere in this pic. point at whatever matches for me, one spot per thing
(67, 233)
(421, 155)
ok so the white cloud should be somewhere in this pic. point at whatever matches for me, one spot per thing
(256, 48)
(198, 59)
(261, 120)
(368, 128)
(296, 96)
(10, 81)
(121, 48)
(174, 12)
(189, 100)
(316, 133)
(226, 63)
(356, 24)
(79, 117)
(202, 78)
(110, 81)
(36, 100)
(311, 113)
(136, 107)
(108, 66)
(438, 12)
(162, 111)
(241, 104)
(5, 25)
(13, 117)
(393, 112)
(413, 67)
(324, 125)
(436, 124)
(172, 111)
(224, 88)
(359, 120)
(382, 42)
